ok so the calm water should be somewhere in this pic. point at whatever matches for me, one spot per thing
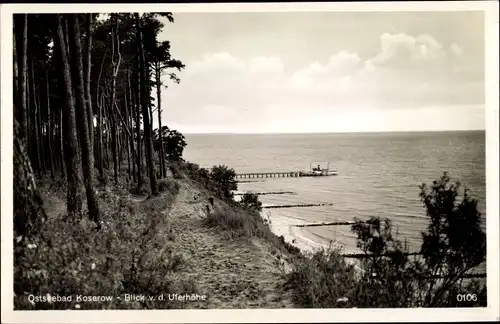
(378, 175)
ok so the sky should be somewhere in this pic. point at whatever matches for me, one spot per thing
(303, 72)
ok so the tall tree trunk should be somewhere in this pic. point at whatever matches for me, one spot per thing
(29, 132)
(50, 129)
(130, 119)
(163, 171)
(39, 122)
(138, 131)
(107, 138)
(36, 115)
(28, 206)
(145, 104)
(128, 139)
(61, 139)
(66, 37)
(100, 103)
(72, 157)
(120, 148)
(16, 93)
(114, 146)
(127, 145)
(90, 114)
(116, 67)
(22, 83)
(99, 141)
(150, 110)
(82, 125)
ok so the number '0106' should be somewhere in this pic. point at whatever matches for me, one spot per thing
(466, 297)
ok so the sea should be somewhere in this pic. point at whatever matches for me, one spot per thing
(378, 175)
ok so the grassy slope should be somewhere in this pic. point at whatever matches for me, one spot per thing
(149, 246)
(234, 272)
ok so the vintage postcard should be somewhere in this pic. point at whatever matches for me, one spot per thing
(250, 162)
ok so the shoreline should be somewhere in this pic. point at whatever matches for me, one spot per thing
(281, 226)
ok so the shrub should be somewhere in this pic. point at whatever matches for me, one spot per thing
(220, 180)
(176, 169)
(143, 188)
(194, 171)
(169, 185)
(203, 175)
(251, 201)
(453, 245)
(191, 169)
(322, 280)
(454, 242)
(174, 143)
(225, 180)
(289, 247)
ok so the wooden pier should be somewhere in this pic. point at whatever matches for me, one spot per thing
(288, 174)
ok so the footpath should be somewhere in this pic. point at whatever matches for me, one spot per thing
(240, 273)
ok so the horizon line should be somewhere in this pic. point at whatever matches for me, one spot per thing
(355, 132)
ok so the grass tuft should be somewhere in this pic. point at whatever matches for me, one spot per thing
(238, 223)
(129, 255)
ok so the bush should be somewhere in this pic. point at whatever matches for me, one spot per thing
(196, 173)
(225, 180)
(221, 180)
(453, 245)
(293, 250)
(322, 280)
(169, 185)
(204, 175)
(173, 141)
(143, 188)
(176, 169)
(190, 169)
(250, 201)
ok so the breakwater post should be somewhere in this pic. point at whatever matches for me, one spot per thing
(268, 193)
(299, 205)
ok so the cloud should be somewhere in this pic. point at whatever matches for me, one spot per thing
(407, 72)
(456, 50)
(401, 50)
(338, 65)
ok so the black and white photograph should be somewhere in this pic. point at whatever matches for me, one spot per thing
(264, 158)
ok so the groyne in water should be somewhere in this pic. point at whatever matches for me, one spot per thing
(299, 205)
(267, 193)
(326, 224)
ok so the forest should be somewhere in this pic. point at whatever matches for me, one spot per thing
(86, 90)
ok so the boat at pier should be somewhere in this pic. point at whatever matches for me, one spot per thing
(319, 171)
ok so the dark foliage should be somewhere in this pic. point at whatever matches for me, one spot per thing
(251, 201)
(453, 245)
(224, 178)
(173, 143)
